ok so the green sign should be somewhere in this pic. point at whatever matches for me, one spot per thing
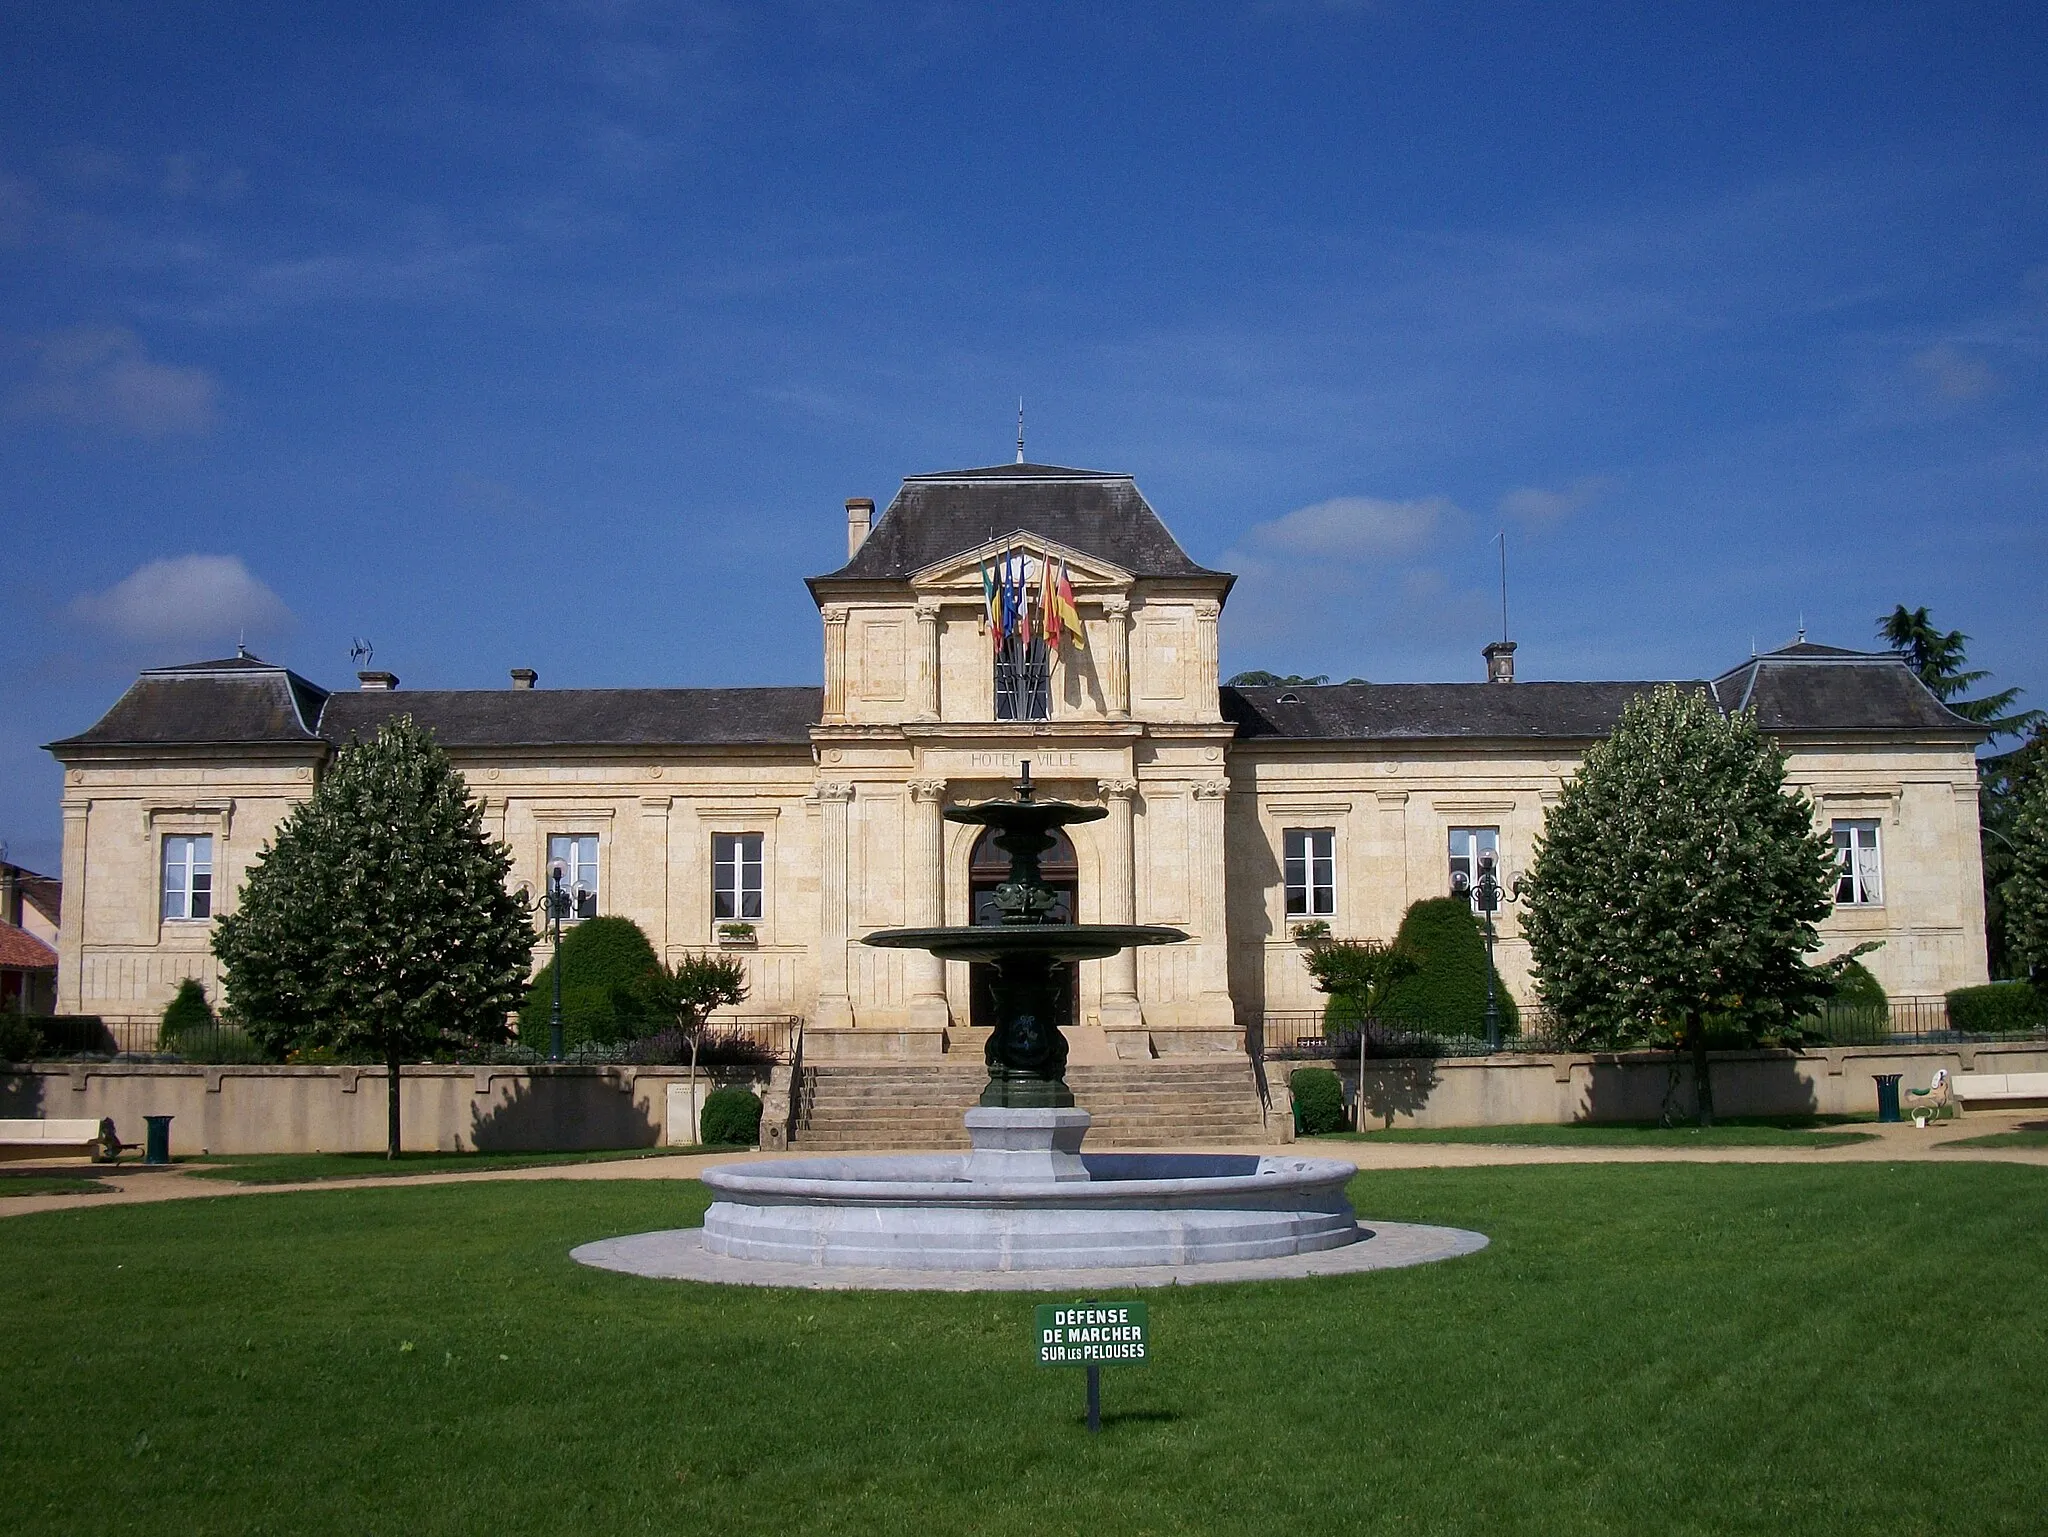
(1093, 1334)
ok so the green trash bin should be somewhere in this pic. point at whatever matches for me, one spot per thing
(156, 1139)
(1888, 1096)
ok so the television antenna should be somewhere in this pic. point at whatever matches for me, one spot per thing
(1020, 429)
(360, 653)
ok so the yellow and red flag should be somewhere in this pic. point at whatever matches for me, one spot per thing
(1063, 605)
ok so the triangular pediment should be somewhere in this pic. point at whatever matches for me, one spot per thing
(962, 572)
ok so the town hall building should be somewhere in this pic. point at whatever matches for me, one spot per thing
(785, 823)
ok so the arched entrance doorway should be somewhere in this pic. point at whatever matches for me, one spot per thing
(987, 868)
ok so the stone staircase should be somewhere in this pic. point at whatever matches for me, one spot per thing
(1135, 1104)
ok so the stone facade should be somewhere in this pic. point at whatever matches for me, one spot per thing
(845, 787)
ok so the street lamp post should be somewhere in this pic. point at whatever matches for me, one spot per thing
(1487, 895)
(557, 901)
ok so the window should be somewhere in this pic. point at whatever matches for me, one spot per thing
(1024, 681)
(1468, 844)
(1859, 879)
(575, 855)
(1311, 871)
(736, 877)
(188, 876)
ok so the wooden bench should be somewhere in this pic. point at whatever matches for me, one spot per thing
(1977, 1090)
(43, 1139)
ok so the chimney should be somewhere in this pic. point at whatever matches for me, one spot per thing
(524, 677)
(860, 517)
(1500, 662)
(378, 682)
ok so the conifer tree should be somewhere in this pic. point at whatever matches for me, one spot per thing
(378, 918)
(2026, 889)
(1677, 884)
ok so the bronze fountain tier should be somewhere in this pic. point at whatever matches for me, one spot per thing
(1027, 1054)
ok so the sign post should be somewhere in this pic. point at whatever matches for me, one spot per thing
(1094, 1335)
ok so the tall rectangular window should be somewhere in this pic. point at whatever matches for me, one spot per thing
(736, 877)
(1468, 844)
(1310, 871)
(188, 876)
(1859, 874)
(575, 854)
(1024, 681)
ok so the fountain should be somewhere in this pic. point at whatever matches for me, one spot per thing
(1026, 1206)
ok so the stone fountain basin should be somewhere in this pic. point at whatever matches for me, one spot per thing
(1058, 941)
(919, 1212)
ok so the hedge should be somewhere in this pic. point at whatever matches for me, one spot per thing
(1447, 993)
(1318, 1100)
(732, 1117)
(603, 961)
(2000, 1008)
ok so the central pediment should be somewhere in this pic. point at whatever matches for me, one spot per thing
(963, 572)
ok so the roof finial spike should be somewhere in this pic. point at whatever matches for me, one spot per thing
(1802, 628)
(242, 641)
(1020, 429)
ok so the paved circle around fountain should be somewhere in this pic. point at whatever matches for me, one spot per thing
(679, 1255)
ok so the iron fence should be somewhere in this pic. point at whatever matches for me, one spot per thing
(1304, 1036)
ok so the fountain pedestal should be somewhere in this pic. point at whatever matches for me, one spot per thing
(1026, 1145)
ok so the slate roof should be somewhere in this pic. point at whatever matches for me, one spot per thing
(587, 717)
(240, 699)
(22, 951)
(1096, 512)
(1800, 688)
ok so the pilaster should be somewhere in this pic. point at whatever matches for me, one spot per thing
(1208, 701)
(835, 615)
(927, 700)
(1120, 1008)
(927, 903)
(1116, 608)
(835, 1008)
(1212, 943)
(71, 932)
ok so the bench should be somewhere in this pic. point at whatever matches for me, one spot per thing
(43, 1138)
(1973, 1090)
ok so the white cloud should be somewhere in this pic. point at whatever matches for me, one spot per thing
(1546, 509)
(1953, 374)
(187, 598)
(1355, 528)
(99, 376)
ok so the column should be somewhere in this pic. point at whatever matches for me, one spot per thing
(1208, 702)
(835, 663)
(650, 885)
(71, 932)
(927, 903)
(1120, 1006)
(928, 666)
(1116, 663)
(835, 1009)
(1212, 944)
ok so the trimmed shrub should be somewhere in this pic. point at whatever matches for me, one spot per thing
(20, 1040)
(1857, 988)
(732, 1116)
(189, 1010)
(218, 1045)
(1318, 1100)
(1447, 993)
(604, 963)
(2000, 1008)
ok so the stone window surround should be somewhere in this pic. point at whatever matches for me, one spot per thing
(758, 819)
(185, 818)
(556, 820)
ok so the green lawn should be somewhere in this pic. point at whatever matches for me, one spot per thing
(1668, 1349)
(1802, 1132)
(51, 1184)
(298, 1168)
(2025, 1136)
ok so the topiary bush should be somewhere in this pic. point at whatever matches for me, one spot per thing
(187, 1011)
(20, 1040)
(605, 962)
(1999, 1008)
(1857, 988)
(1447, 992)
(732, 1116)
(1318, 1101)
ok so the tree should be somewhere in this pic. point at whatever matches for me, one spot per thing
(689, 991)
(188, 1010)
(1446, 994)
(1942, 662)
(2003, 783)
(1357, 974)
(2026, 890)
(606, 963)
(1258, 679)
(377, 919)
(1677, 884)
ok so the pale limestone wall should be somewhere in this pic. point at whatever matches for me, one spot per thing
(1392, 811)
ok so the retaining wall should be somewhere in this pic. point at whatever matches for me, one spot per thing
(1630, 1086)
(342, 1109)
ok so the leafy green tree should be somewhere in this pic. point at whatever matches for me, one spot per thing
(688, 992)
(606, 964)
(188, 1010)
(1357, 974)
(1677, 884)
(2003, 782)
(2026, 890)
(1258, 679)
(1941, 659)
(377, 920)
(1446, 993)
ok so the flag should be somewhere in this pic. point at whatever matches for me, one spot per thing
(1070, 617)
(1052, 608)
(1024, 601)
(991, 612)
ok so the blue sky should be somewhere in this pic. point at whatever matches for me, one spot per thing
(556, 335)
